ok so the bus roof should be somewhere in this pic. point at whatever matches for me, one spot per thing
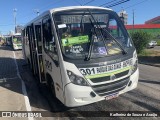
(66, 8)
(77, 7)
(17, 34)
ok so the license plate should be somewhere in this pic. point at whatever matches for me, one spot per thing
(111, 96)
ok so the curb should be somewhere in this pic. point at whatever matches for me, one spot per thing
(151, 64)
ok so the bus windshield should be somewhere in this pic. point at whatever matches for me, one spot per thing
(17, 40)
(98, 33)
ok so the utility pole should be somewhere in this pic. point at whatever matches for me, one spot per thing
(133, 20)
(15, 21)
(121, 14)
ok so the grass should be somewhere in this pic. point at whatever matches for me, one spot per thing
(145, 53)
(149, 56)
(150, 52)
(158, 41)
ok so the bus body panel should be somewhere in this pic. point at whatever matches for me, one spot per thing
(55, 72)
(134, 79)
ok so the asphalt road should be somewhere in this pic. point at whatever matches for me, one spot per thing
(146, 97)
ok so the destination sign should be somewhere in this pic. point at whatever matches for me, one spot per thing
(68, 19)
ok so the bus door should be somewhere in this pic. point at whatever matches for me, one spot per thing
(40, 65)
(50, 57)
(33, 54)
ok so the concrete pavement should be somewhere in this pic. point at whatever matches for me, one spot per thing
(11, 94)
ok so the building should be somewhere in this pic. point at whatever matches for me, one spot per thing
(124, 15)
(153, 29)
(155, 20)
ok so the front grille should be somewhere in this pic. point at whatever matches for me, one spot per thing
(101, 79)
(109, 88)
(107, 78)
(121, 74)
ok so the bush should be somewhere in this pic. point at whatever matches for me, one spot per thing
(158, 42)
(140, 40)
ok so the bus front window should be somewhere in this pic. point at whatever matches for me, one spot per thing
(99, 34)
(17, 40)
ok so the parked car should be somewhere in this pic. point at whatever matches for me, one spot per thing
(151, 44)
(154, 42)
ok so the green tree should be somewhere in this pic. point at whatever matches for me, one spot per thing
(140, 40)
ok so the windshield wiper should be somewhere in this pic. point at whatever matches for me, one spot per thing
(92, 39)
(106, 31)
(88, 57)
(121, 47)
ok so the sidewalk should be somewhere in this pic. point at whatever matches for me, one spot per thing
(12, 98)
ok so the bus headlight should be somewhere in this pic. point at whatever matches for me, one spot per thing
(135, 62)
(76, 79)
(134, 67)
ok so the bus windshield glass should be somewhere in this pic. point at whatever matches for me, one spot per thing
(17, 40)
(96, 32)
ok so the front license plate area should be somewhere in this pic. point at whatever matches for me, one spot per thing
(112, 96)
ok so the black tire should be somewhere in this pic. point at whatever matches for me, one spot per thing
(51, 85)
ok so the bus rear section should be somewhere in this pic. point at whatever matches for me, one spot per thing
(86, 54)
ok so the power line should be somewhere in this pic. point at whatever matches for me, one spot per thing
(46, 6)
(108, 3)
(42, 9)
(78, 2)
(26, 15)
(89, 2)
(36, 11)
(117, 3)
(84, 3)
(136, 4)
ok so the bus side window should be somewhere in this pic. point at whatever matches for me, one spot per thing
(38, 32)
(47, 35)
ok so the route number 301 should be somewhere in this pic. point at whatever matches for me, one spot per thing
(88, 71)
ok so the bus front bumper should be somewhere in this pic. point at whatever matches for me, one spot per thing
(17, 47)
(76, 95)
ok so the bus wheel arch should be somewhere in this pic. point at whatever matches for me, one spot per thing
(50, 83)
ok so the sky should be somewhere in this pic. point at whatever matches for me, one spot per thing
(26, 10)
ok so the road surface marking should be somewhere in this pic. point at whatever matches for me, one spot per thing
(27, 103)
